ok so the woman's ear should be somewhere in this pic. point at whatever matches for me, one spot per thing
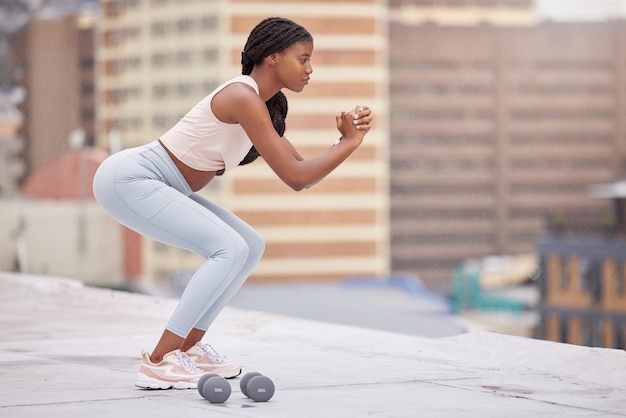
(272, 59)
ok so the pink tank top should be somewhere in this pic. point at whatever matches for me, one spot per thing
(205, 143)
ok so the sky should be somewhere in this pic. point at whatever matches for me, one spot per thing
(581, 10)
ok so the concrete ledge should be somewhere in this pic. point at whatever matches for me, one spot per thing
(71, 350)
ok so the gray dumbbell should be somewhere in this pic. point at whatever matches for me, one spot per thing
(203, 380)
(257, 387)
(214, 388)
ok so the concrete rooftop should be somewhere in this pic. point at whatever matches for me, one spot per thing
(67, 350)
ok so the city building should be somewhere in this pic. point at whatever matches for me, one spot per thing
(54, 60)
(157, 58)
(583, 271)
(496, 127)
(11, 162)
(51, 225)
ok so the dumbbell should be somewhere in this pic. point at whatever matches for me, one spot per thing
(214, 388)
(257, 387)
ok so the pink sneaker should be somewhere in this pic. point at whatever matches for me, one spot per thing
(206, 358)
(176, 370)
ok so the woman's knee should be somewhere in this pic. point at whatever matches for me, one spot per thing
(256, 243)
(251, 247)
(234, 247)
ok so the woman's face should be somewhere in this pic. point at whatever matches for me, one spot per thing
(294, 65)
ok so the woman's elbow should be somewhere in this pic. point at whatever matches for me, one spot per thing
(295, 178)
(295, 183)
(297, 186)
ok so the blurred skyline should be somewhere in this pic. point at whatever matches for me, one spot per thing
(577, 10)
(502, 113)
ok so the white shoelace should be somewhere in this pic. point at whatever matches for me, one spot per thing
(188, 363)
(210, 351)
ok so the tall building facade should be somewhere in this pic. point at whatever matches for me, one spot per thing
(496, 129)
(54, 58)
(583, 289)
(157, 58)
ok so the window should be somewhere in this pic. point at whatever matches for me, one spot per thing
(563, 331)
(564, 273)
(159, 60)
(184, 57)
(160, 91)
(161, 122)
(619, 329)
(210, 54)
(619, 278)
(184, 25)
(209, 22)
(159, 28)
(184, 89)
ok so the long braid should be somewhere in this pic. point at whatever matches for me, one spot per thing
(271, 35)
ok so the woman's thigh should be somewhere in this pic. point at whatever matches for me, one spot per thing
(137, 197)
(248, 233)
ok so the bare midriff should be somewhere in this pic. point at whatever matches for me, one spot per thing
(196, 179)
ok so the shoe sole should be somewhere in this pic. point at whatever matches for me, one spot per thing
(230, 375)
(146, 382)
(225, 375)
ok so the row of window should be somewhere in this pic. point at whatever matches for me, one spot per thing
(183, 57)
(453, 89)
(119, 95)
(469, 66)
(126, 123)
(434, 190)
(575, 139)
(410, 163)
(591, 275)
(161, 60)
(562, 89)
(121, 65)
(182, 89)
(115, 37)
(182, 26)
(160, 91)
(516, 4)
(482, 189)
(562, 114)
(161, 122)
(177, 2)
(448, 89)
(116, 8)
(554, 164)
(463, 140)
(443, 214)
(517, 115)
(583, 329)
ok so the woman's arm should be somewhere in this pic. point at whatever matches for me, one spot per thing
(294, 151)
(240, 103)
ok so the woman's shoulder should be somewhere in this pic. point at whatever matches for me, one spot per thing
(245, 79)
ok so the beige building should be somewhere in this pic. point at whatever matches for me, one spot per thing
(157, 58)
(497, 129)
(463, 12)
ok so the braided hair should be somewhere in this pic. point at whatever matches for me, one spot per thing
(271, 35)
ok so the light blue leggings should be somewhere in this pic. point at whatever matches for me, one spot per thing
(142, 189)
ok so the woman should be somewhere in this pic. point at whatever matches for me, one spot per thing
(151, 189)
